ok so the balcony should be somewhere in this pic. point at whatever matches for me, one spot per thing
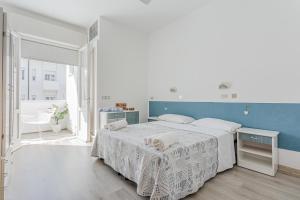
(33, 112)
(33, 132)
(50, 85)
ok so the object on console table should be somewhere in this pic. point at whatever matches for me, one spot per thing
(122, 105)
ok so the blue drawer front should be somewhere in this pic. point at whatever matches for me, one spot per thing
(132, 117)
(256, 138)
(118, 115)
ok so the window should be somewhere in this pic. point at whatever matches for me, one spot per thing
(43, 80)
(50, 76)
(23, 74)
(50, 98)
(33, 74)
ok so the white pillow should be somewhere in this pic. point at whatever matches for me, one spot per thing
(220, 124)
(179, 119)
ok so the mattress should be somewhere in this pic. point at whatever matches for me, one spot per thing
(175, 173)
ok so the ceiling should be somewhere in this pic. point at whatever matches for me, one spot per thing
(131, 12)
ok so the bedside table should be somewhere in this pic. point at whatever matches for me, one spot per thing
(153, 119)
(257, 150)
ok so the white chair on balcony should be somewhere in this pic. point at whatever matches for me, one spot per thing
(43, 119)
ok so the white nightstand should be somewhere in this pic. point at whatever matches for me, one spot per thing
(258, 150)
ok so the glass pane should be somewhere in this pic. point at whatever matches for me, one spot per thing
(40, 80)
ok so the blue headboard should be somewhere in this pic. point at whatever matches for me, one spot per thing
(282, 117)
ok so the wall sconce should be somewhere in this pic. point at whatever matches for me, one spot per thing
(246, 111)
(173, 89)
(224, 86)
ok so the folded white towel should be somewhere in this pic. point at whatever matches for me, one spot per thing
(162, 142)
(114, 126)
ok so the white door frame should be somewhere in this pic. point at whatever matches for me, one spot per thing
(84, 120)
(93, 65)
(15, 62)
(2, 106)
(58, 44)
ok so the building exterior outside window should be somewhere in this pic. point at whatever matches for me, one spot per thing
(33, 74)
(50, 76)
(23, 74)
(41, 80)
(50, 98)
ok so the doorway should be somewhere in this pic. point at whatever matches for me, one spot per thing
(48, 90)
(47, 95)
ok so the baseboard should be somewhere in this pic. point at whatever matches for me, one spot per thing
(289, 158)
(289, 162)
(289, 171)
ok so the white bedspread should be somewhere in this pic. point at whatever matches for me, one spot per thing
(175, 173)
(226, 152)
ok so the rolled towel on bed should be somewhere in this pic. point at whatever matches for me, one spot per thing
(114, 126)
(148, 141)
(162, 142)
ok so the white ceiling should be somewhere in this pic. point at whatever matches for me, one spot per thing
(131, 12)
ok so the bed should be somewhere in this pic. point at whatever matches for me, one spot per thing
(182, 169)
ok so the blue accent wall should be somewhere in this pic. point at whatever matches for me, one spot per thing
(282, 117)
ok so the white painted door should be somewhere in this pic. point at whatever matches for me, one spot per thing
(10, 98)
(2, 106)
(13, 87)
(93, 68)
(11, 105)
(84, 97)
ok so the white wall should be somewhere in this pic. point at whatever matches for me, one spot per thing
(252, 44)
(49, 29)
(122, 73)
